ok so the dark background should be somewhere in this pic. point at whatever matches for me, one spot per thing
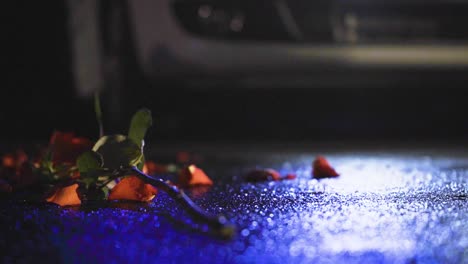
(39, 96)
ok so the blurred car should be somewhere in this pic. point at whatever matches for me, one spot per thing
(409, 48)
(294, 42)
(266, 42)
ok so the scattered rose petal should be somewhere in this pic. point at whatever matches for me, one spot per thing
(322, 169)
(133, 188)
(66, 148)
(192, 175)
(259, 175)
(8, 161)
(152, 168)
(65, 196)
(290, 176)
(14, 160)
(16, 170)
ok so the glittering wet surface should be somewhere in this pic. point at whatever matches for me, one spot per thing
(405, 207)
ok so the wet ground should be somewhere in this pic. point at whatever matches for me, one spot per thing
(394, 206)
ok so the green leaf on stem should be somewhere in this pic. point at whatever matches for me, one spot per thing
(140, 123)
(118, 151)
(89, 160)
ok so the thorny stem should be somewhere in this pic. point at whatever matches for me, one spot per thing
(218, 223)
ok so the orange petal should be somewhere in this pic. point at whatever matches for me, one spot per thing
(65, 196)
(9, 161)
(322, 169)
(263, 175)
(192, 175)
(133, 188)
(14, 160)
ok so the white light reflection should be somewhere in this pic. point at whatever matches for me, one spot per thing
(378, 204)
(353, 243)
(381, 175)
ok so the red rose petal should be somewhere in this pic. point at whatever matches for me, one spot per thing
(290, 176)
(192, 175)
(66, 148)
(322, 169)
(133, 188)
(65, 196)
(259, 175)
(8, 161)
(15, 160)
(17, 170)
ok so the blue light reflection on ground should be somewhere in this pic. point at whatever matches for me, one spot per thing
(384, 209)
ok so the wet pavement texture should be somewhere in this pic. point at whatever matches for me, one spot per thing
(401, 206)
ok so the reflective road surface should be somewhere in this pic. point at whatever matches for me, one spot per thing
(395, 206)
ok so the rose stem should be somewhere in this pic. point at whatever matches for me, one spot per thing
(216, 222)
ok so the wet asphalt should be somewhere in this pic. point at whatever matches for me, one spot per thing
(395, 206)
